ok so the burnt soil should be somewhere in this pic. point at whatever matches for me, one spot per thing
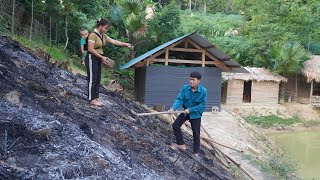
(48, 130)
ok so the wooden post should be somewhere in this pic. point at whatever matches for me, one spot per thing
(311, 91)
(186, 43)
(166, 57)
(148, 61)
(203, 57)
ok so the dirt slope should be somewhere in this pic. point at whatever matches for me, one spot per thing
(48, 131)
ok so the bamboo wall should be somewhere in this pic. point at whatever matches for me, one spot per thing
(235, 92)
(265, 92)
(301, 90)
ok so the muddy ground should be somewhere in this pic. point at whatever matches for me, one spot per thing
(48, 130)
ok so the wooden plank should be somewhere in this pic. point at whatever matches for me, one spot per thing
(185, 49)
(178, 42)
(145, 61)
(157, 54)
(166, 57)
(194, 44)
(203, 57)
(211, 57)
(219, 64)
(140, 64)
(186, 43)
(183, 61)
(148, 61)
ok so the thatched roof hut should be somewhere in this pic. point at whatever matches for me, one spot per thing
(259, 86)
(255, 74)
(312, 69)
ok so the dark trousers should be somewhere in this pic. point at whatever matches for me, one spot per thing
(195, 124)
(93, 65)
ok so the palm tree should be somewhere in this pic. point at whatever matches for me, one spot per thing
(284, 59)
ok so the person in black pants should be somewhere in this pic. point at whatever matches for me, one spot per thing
(193, 99)
(96, 40)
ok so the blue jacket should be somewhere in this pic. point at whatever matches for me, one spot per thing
(194, 101)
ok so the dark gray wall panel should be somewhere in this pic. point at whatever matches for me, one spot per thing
(139, 84)
(163, 84)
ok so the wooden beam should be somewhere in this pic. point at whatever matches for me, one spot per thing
(219, 63)
(148, 61)
(186, 43)
(185, 49)
(178, 42)
(203, 57)
(156, 54)
(211, 57)
(194, 44)
(140, 64)
(166, 57)
(184, 61)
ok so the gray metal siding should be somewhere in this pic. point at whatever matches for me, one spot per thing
(163, 84)
(139, 84)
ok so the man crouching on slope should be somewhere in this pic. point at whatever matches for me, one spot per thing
(193, 99)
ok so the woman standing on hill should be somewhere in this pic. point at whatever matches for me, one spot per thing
(96, 40)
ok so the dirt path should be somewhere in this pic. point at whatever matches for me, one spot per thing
(225, 128)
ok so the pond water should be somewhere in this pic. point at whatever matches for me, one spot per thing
(304, 146)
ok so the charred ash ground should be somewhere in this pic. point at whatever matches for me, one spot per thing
(48, 130)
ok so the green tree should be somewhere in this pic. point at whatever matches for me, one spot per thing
(283, 59)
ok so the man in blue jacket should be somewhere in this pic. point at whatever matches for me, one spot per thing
(193, 99)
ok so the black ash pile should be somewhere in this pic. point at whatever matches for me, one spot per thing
(48, 130)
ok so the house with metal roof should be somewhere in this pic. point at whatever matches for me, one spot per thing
(161, 72)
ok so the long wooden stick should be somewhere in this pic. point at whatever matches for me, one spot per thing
(231, 159)
(214, 152)
(155, 113)
(224, 145)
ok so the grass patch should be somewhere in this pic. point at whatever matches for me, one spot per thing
(271, 120)
(57, 53)
(310, 123)
(278, 165)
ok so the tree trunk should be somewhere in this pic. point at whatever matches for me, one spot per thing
(282, 89)
(296, 89)
(31, 25)
(66, 34)
(50, 31)
(228, 6)
(56, 33)
(12, 20)
(190, 5)
(205, 7)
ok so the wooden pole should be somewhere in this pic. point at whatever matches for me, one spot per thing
(214, 152)
(231, 159)
(166, 57)
(203, 57)
(224, 145)
(186, 43)
(311, 91)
